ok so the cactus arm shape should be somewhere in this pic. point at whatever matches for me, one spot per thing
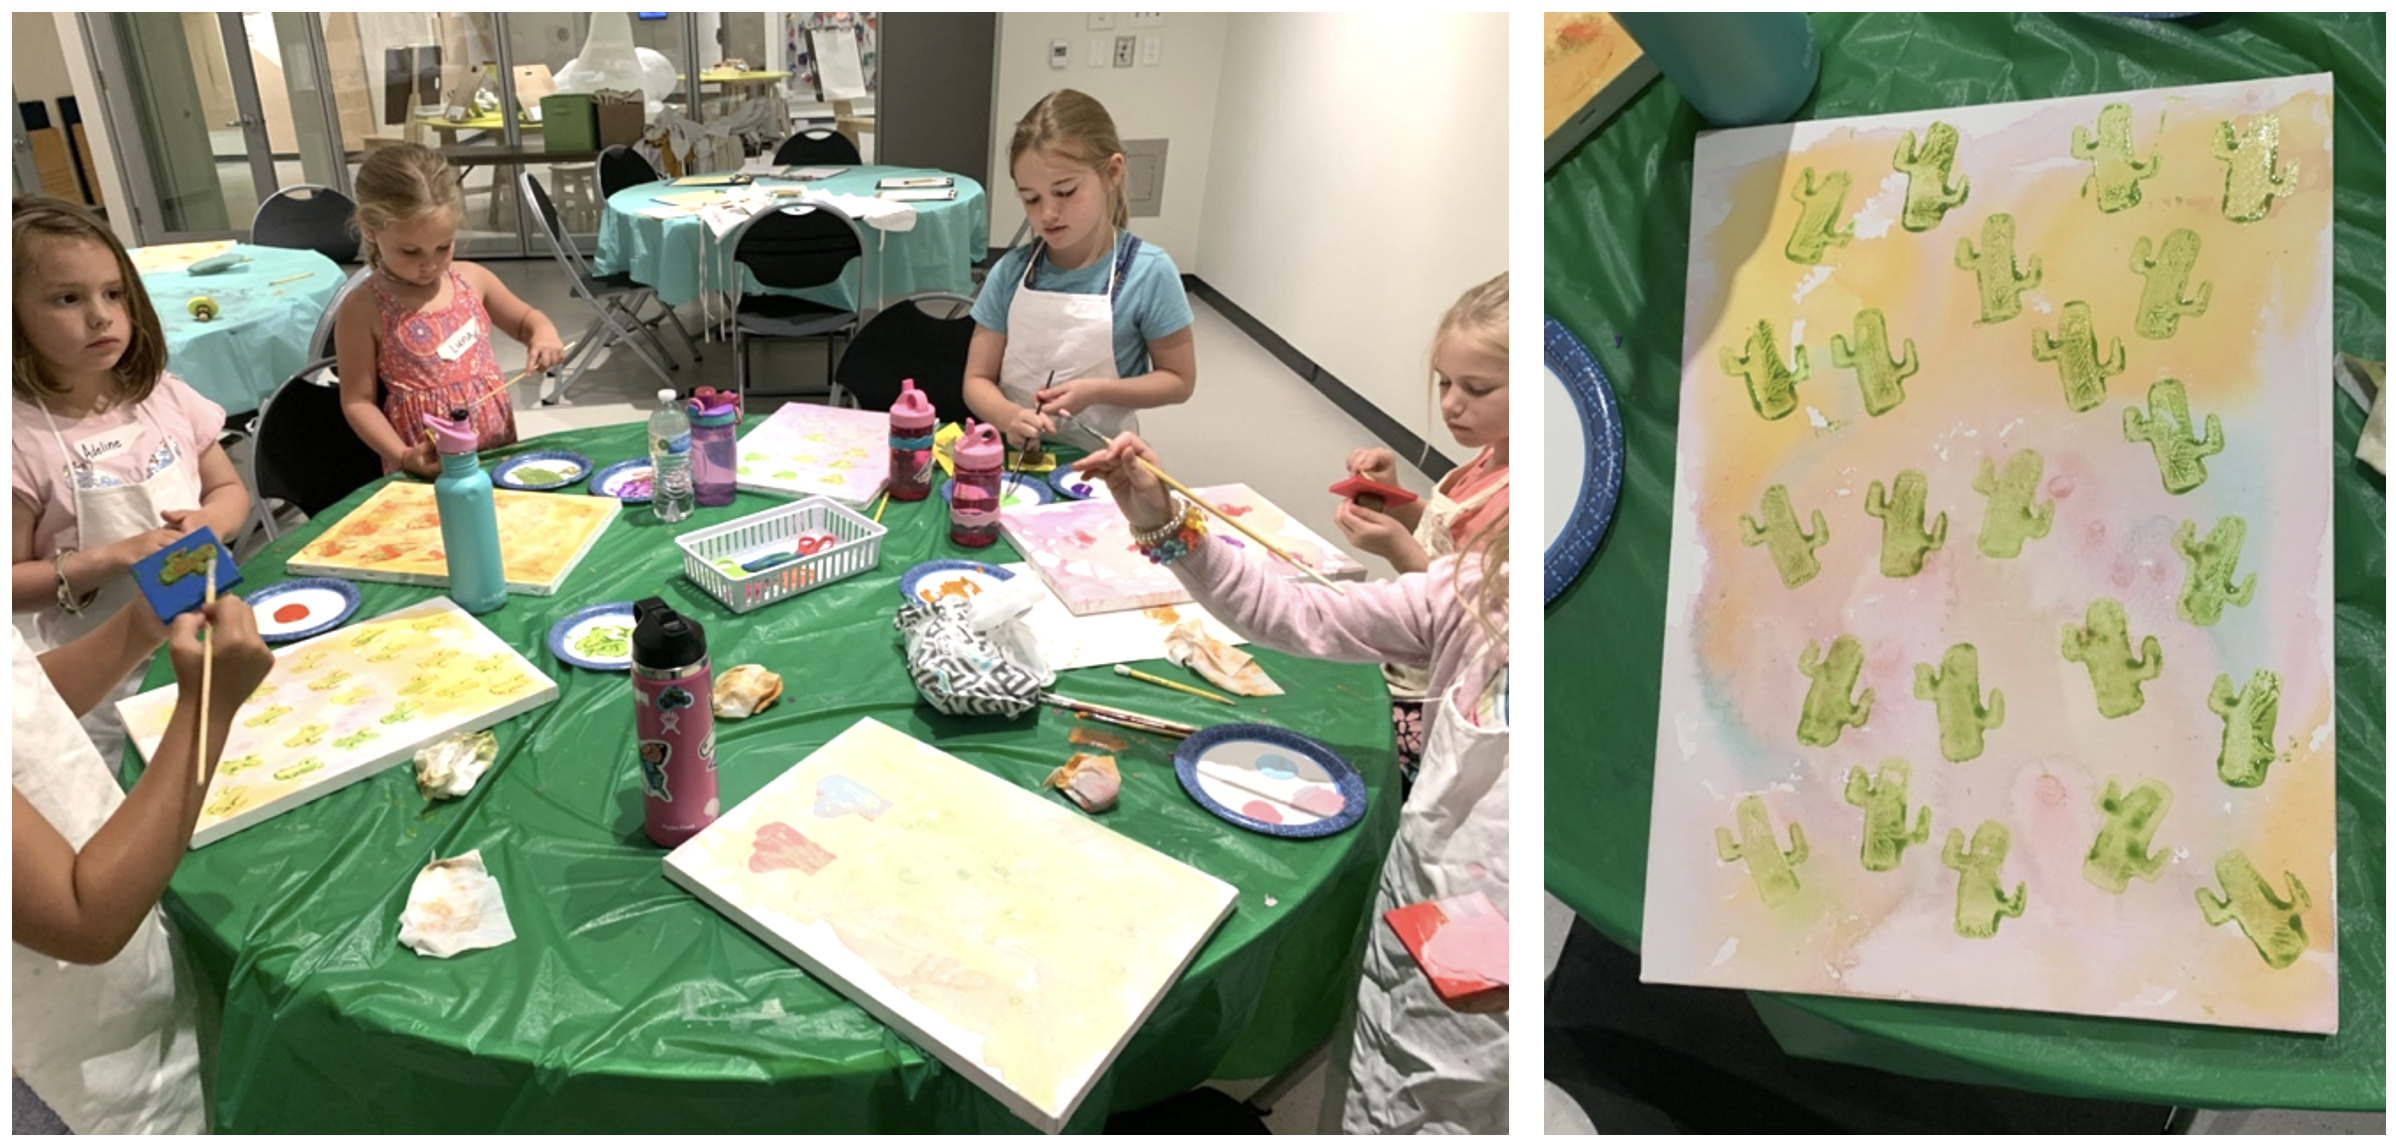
(2014, 515)
(1819, 208)
(1883, 802)
(2120, 852)
(2249, 724)
(2001, 281)
(2274, 925)
(2117, 171)
(1954, 686)
(1773, 871)
(1904, 541)
(1928, 196)
(2255, 175)
(2212, 566)
(2160, 305)
(1771, 385)
(1827, 709)
(1882, 379)
(2169, 430)
(2103, 645)
(2073, 350)
(1980, 899)
(1791, 547)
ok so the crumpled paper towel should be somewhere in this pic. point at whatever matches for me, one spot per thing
(1189, 645)
(455, 906)
(447, 768)
(2365, 382)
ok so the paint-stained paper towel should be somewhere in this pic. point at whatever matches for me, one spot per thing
(455, 906)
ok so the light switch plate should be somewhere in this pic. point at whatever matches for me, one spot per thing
(1101, 50)
(1101, 21)
(1060, 53)
(1151, 50)
(1124, 46)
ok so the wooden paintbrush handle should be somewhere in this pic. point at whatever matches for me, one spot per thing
(1234, 522)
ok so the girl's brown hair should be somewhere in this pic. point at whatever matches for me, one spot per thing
(399, 185)
(40, 222)
(1077, 127)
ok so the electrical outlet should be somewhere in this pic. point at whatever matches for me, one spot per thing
(1101, 21)
(1060, 53)
(1101, 50)
(1152, 49)
(1124, 46)
(1145, 20)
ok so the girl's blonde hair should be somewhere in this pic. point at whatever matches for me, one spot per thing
(401, 185)
(1077, 127)
(41, 221)
(1478, 320)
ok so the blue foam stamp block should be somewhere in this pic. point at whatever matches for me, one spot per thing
(175, 579)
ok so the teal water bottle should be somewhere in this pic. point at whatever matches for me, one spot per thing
(1735, 68)
(469, 523)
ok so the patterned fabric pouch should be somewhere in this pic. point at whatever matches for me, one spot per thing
(968, 673)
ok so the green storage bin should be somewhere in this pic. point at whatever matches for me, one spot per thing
(569, 122)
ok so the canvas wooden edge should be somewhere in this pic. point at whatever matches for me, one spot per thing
(800, 491)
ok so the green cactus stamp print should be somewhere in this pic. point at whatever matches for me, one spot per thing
(1904, 539)
(1792, 548)
(403, 712)
(1882, 378)
(2250, 719)
(2274, 925)
(2255, 176)
(2117, 171)
(1954, 686)
(2002, 280)
(1980, 899)
(1774, 871)
(311, 764)
(2160, 302)
(1819, 207)
(1928, 196)
(2073, 350)
(2103, 644)
(1882, 798)
(1827, 709)
(2014, 515)
(2120, 853)
(2169, 430)
(2212, 566)
(1771, 384)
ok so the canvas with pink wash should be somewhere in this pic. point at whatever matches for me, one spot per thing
(1083, 549)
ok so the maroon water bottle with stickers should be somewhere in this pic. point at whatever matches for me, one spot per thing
(673, 693)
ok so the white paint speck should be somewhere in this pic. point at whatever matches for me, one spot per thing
(1729, 948)
(2320, 736)
(1806, 285)
(2011, 426)
(1688, 730)
(1815, 416)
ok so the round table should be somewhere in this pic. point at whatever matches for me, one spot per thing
(1617, 227)
(265, 318)
(681, 257)
(627, 1005)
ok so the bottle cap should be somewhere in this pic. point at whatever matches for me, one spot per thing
(911, 404)
(981, 447)
(666, 396)
(452, 435)
(664, 639)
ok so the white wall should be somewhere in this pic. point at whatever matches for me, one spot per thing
(38, 67)
(1174, 101)
(1357, 186)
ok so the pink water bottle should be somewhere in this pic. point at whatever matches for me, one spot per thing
(715, 440)
(973, 497)
(673, 695)
(911, 422)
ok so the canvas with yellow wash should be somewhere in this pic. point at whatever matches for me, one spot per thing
(339, 708)
(1020, 942)
(1998, 661)
(396, 536)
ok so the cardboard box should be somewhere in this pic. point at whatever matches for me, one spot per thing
(569, 122)
(620, 120)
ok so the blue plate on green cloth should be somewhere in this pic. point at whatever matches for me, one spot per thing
(598, 638)
(541, 469)
(1270, 780)
(1584, 457)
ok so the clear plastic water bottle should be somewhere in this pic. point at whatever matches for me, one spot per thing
(670, 458)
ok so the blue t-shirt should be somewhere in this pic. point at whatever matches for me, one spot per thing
(1150, 306)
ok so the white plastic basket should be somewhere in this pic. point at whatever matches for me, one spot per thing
(857, 548)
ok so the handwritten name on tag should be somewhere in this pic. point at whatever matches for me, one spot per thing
(460, 342)
(105, 444)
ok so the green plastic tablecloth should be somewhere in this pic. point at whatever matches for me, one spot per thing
(681, 258)
(1617, 225)
(624, 1004)
(259, 338)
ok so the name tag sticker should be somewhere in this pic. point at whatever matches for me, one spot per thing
(457, 344)
(105, 444)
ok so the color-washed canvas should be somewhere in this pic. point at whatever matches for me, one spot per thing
(1083, 549)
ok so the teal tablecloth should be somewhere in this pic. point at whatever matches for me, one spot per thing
(259, 338)
(627, 1005)
(680, 257)
(1617, 240)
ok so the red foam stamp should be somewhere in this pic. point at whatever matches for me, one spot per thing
(1460, 944)
(1358, 489)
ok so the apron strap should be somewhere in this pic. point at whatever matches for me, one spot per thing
(1116, 275)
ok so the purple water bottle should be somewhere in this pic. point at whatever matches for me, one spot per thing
(674, 721)
(715, 426)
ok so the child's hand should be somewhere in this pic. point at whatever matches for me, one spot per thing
(1145, 502)
(1372, 531)
(183, 521)
(242, 658)
(1072, 397)
(128, 552)
(422, 460)
(1375, 464)
(1024, 426)
(544, 351)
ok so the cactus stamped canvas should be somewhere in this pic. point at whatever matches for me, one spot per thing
(1998, 653)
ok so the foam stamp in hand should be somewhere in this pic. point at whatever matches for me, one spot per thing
(174, 580)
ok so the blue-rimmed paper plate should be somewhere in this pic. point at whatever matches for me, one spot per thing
(1017, 492)
(303, 608)
(541, 469)
(932, 579)
(1074, 487)
(1584, 457)
(598, 638)
(1270, 780)
(627, 481)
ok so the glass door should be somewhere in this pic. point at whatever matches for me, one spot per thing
(190, 130)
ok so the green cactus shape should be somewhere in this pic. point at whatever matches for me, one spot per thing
(2250, 721)
(329, 681)
(1771, 385)
(438, 658)
(1904, 541)
(2103, 644)
(354, 739)
(1883, 800)
(2274, 925)
(403, 712)
(267, 715)
(1827, 708)
(1928, 198)
(2171, 433)
(1819, 207)
(1774, 871)
(2160, 306)
(2014, 515)
(310, 661)
(2001, 280)
(1792, 548)
(2255, 175)
(1980, 899)
(1882, 379)
(459, 688)
(2073, 350)
(2212, 565)
(2117, 172)
(308, 734)
(2120, 852)
(1954, 686)
(240, 764)
(300, 769)
(418, 683)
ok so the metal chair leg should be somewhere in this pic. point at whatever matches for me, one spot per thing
(682, 330)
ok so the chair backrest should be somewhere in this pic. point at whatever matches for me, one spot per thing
(818, 145)
(320, 344)
(923, 337)
(621, 167)
(305, 452)
(798, 246)
(561, 244)
(307, 217)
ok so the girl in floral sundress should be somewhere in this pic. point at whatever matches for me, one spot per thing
(419, 341)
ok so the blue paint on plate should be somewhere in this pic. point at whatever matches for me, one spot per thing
(1600, 457)
(550, 469)
(562, 631)
(1344, 778)
(319, 620)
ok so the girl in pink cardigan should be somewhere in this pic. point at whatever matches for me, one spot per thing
(1409, 1062)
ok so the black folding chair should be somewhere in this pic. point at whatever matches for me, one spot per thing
(621, 167)
(792, 248)
(304, 452)
(615, 301)
(923, 337)
(818, 146)
(307, 217)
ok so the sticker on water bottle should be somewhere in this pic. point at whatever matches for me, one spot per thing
(654, 754)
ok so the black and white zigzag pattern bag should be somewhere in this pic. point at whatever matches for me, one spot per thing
(968, 673)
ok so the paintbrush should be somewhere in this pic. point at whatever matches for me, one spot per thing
(1153, 729)
(199, 764)
(1233, 522)
(879, 508)
(1118, 715)
(1135, 674)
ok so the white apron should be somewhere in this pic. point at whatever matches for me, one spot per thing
(1405, 1063)
(1436, 533)
(113, 1048)
(1052, 334)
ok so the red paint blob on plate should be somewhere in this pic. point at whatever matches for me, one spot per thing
(1319, 801)
(1260, 811)
(291, 613)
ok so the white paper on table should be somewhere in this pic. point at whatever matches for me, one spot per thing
(1070, 642)
(838, 73)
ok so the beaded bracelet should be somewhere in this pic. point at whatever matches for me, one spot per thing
(1176, 538)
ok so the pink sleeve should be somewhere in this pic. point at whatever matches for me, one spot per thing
(193, 419)
(1372, 622)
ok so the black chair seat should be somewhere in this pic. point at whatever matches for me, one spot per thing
(305, 452)
(922, 338)
(787, 316)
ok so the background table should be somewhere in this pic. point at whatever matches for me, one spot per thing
(1617, 225)
(259, 338)
(681, 257)
(627, 1005)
